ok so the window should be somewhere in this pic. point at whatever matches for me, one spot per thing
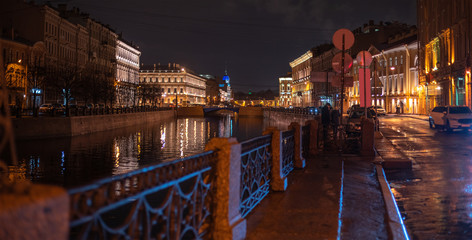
(168, 90)
(390, 61)
(396, 62)
(401, 59)
(175, 90)
(181, 90)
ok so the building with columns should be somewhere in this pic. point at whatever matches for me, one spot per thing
(170, 84)
(127, 73)
(394, 79)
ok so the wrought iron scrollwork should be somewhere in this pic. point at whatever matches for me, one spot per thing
(166, 201)
(255, 172)
(305, 141)
(288, 148)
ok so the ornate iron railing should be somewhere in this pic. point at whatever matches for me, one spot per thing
(288, 148)
(306, 141)
(166, 201)
(255, 172)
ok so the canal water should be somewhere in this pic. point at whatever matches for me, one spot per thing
(79, 160)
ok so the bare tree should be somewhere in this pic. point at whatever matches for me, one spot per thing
(37, 71)
(64, 80)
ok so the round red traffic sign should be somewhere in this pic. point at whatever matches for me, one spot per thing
(364, 56)
(337, 62)
(343, 35)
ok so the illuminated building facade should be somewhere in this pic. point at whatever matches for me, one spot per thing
(301, 86)
(170, 84)
(15, 56)
(444, 34)
(127, 73)
(397, 76)
(285, 91)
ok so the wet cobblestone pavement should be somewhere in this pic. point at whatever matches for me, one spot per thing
(435, 196)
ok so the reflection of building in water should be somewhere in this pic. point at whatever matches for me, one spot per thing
(75, 161)
(125, 154)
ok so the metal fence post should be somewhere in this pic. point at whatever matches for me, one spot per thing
(277, 182)
(299, 161)
(227, 220)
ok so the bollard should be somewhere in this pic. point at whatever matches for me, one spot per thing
(298, 158)
(227, 220)
(277, 181)
(314, 132)
(367, 137)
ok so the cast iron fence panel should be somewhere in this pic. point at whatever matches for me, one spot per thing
(166, 201)
(288, 148)
(305, 141)
(255, 172)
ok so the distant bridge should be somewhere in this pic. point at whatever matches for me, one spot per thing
(215, 109)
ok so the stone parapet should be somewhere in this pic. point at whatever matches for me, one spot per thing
(227, 220)
(298, 158)
(278, 182)
(39, 212)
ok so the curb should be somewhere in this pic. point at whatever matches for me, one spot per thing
(395, 225)
(396, 228)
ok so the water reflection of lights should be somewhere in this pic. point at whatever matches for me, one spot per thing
(468, 189)
(163, 137)
(195, 130)
(62, 162)
(117, 155)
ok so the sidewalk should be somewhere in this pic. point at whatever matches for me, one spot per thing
(334, 197)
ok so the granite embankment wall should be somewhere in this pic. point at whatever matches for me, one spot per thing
(285, 118)
(196, 111)
(250, 111)
(47, 127)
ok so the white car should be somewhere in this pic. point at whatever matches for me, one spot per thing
(379, 110)
(451, 117)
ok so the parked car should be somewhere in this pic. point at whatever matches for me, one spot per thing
(45, 108)
(353, 126)
(379, 110)
(58, 108)
(450, 117)
(355, 106)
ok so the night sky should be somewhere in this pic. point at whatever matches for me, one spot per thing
(255, 39)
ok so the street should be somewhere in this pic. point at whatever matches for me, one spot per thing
(435, 197)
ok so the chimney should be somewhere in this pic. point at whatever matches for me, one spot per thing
(154, 66)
